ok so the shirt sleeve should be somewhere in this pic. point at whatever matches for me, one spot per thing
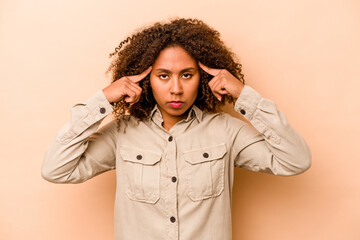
(275, 147)
(80, 150)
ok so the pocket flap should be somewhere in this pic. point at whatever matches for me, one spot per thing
(205, 154)
(137, 155)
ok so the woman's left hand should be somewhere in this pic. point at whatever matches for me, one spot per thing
(223, 82)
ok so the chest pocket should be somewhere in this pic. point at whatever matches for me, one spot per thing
(142, 174)
(205, 171)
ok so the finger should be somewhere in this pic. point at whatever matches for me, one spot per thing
(213, 81)
(211, 71)
(224, 91)
(220, 90)
(216, 84)
(216, 94)
(130, 95)
(141, 76)
(137, 95)
(134, 86)
(219, 86)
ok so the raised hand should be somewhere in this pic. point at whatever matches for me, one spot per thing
(223, 82)
(127, 86)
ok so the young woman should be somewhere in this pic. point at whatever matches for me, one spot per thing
(173, 150)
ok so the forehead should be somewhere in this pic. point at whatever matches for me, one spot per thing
(174, 58)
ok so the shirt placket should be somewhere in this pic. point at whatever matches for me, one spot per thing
(171, 192)
(171, 173)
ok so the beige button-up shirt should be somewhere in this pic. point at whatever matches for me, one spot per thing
(175, 184)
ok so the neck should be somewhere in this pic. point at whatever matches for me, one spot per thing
(170, 121)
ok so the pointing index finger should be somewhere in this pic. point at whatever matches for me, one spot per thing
(141, 76)
(211, 71)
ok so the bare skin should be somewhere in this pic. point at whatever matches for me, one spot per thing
(127, 87)
(174, 85)
(174, 81)
(223, 82)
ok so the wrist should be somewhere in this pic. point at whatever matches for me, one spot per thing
(106, 94)
(238, 92)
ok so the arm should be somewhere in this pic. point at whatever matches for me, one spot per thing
(79, 152)
(275, 147)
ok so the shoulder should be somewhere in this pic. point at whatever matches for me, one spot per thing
(114, 125)
(223, 120)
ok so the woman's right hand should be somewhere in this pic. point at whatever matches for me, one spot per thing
(127, 87)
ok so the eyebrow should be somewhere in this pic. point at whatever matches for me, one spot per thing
(168, 71)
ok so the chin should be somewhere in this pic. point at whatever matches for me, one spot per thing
(179, 111)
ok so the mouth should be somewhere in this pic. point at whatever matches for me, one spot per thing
(176, 104)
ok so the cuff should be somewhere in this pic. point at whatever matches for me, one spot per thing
(247, 102)
(84, 115)
(98, 106)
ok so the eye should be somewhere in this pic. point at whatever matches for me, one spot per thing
(162, 75)
(188, 75)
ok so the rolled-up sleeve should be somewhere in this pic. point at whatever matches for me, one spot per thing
(275, 146)
(80, 150)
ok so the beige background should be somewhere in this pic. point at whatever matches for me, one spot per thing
(304, 55)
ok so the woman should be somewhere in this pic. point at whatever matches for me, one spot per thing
(173, 150)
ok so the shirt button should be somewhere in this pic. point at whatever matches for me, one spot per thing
(170, 138)
(205, 155)
(172, 219)
(242, 111)
(102, 110)
(138, 157)
(173, 179)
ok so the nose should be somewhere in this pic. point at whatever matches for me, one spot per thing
(176, 86)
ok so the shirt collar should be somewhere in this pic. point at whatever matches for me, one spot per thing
(155, 114)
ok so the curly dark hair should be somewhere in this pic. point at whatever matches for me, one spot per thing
(136, 53)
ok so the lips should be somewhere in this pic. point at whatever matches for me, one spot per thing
(176, 104)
